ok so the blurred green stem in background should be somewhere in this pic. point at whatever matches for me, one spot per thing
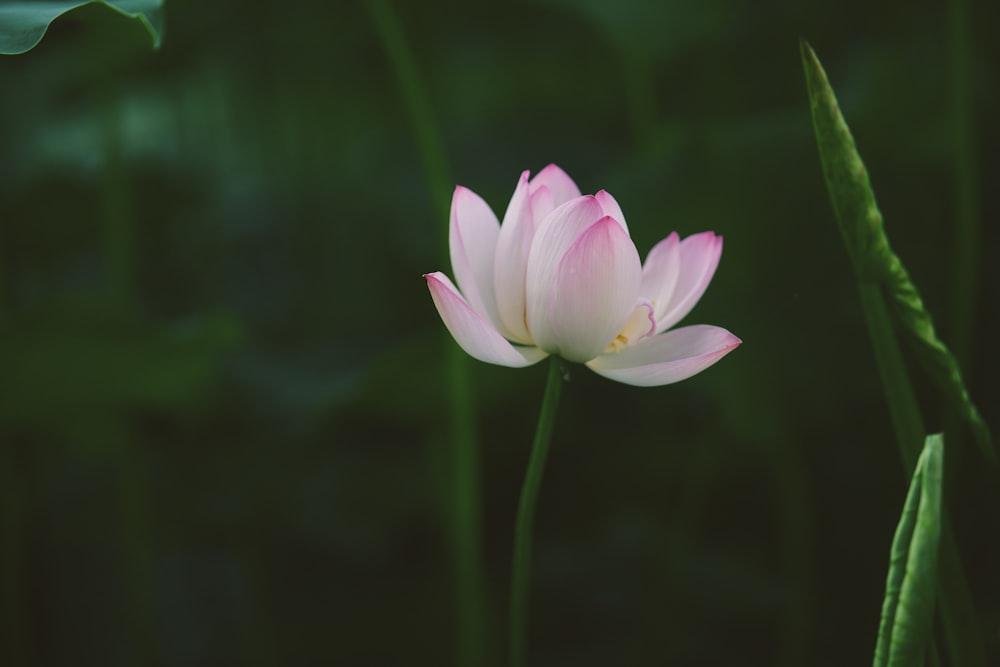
(907, 423)
(885, 284)
(967, 260)
(119, 237)
(125, 450)
(13, 626)
(966, 265)
(5, 282)
(521, 572)
(12, 620)
(425, 130)
(466, 502)
(135, 527)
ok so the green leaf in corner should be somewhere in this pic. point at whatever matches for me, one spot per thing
(908, 610)
(23, 24)
(874, 261)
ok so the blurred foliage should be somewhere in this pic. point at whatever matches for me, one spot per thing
(221, 388)
(23, 24)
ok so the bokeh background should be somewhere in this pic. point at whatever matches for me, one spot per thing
(224, 405)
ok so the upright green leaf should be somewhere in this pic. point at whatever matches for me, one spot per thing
(908, 610)
(23, 24)
(881, 277)
(937, 361)
(874, 261)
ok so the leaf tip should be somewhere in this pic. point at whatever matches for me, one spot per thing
(934, 443)
(810, 61)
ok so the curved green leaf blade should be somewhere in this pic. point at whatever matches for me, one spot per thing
(933, 355)
(23, 24)
(908, 610)
(874, 261)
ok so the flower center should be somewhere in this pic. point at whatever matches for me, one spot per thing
(640, 324)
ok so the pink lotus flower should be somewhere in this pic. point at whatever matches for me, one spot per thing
(562, 276)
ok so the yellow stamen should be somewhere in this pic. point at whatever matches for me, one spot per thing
(619, 343)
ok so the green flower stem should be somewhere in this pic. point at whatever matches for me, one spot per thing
(466, 516)
(465, 504)
(526, 514)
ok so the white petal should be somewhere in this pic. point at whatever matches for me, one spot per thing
(660, 273)
(472, 242)
(513, 247)
(559, 184)
(473, 332)
(699, 257)
(641, 324)
(554, 237)
(594, 291)
(611, 207)
(541, 205)
(668, 357)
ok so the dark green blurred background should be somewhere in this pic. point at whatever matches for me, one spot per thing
(223, 404)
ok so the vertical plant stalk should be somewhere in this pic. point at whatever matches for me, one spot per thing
(13, 619)
(6, 281)
(466, 517)
(135, 526)
(907, 424)
(129, 458)
(466, 503)
(424, 128)
(524, 525)
(119, 237)
(967, 259)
